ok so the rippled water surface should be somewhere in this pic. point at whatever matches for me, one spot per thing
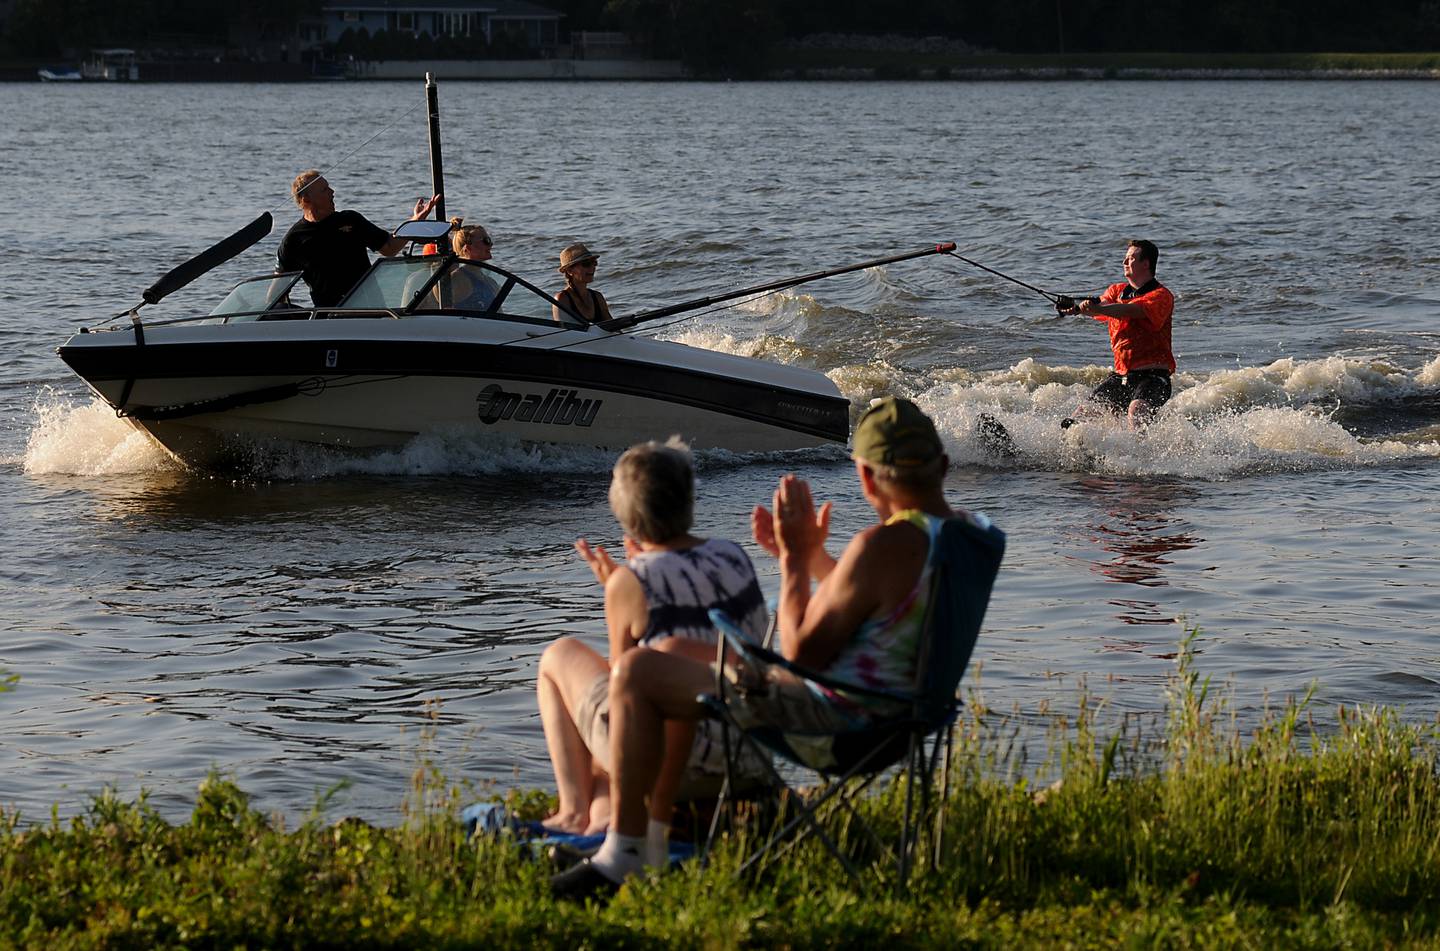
(327, 620)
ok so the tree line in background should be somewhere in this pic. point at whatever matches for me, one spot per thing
(743, 34)
(48, 27)
(701, 30)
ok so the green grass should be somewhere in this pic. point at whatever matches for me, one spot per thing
(905, 65)
(1299, 834)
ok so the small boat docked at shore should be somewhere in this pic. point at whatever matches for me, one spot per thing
(403, 355)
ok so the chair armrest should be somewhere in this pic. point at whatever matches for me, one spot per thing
(732, 636)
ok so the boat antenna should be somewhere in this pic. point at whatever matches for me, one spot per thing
(437, 162)
(621, 323)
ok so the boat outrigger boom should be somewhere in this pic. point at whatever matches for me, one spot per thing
(621, 323)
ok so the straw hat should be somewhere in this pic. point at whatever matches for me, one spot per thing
(575, 254)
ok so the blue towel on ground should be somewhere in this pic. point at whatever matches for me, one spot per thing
(493, 819)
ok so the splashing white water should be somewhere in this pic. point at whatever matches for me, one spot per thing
(88, 439)
(1275, 418)
(770, 347)
(1429, 374)
(780, 304)
(1278, 417)
(1292, 382)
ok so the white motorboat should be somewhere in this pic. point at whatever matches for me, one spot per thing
(408, 352)
(395, 360)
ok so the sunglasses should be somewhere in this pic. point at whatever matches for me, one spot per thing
(484, 239)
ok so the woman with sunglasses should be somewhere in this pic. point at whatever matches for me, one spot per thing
(578, 263)
(471, 288)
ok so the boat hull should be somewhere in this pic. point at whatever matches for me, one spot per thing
(205, 391)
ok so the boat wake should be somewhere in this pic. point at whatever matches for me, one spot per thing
(87, 439)
(1288, 416)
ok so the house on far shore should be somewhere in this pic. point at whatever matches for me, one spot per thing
(516, 23)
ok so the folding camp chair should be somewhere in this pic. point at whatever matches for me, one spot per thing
(965, 560)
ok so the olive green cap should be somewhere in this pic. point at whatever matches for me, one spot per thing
(894, 432)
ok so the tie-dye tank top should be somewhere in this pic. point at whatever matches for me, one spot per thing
(883, 652)
(682, 586)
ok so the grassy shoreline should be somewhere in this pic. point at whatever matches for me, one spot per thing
(1300, 834)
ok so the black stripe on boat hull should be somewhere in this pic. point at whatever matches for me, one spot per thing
(816, 414)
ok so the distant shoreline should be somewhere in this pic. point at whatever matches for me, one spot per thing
(1023, 73)
(819, 63)
(812, 64)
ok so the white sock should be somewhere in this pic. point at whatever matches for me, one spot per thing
(657, 844)
(620, 856)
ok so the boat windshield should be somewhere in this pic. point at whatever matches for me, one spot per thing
(467, 286)
(445, 283)
(256, 295)
(393, 284)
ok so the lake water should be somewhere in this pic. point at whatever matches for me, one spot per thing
(337, 620)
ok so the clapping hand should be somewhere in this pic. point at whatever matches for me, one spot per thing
(794, 524)
(598, 559)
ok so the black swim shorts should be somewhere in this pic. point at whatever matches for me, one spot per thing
(1152, 386)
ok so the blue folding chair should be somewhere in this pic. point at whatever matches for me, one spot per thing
(965, 558)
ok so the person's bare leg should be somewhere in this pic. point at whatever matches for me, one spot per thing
(679, 737)
(1140, 414)
(599, 803)
(646, 688)
(567, 668)
(1087, 410)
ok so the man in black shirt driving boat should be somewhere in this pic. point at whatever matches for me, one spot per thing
(329, 246)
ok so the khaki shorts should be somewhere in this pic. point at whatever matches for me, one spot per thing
(592, 719)
(776, 697)
(704, 774)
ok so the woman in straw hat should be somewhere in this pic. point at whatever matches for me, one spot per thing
(577, 263)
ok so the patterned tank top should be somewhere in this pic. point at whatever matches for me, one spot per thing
(883, 652)
(682, 586)
(680, 589)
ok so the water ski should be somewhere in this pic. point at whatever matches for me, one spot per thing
(994, 437)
